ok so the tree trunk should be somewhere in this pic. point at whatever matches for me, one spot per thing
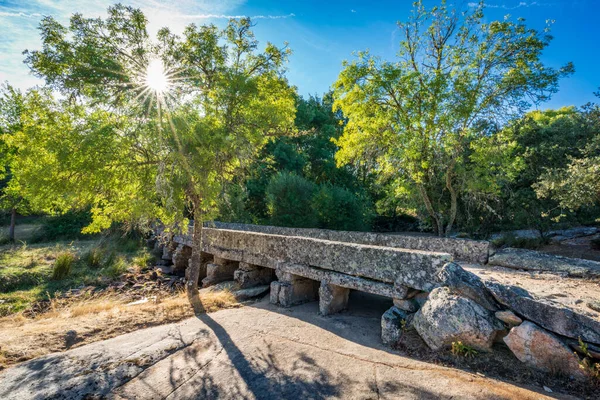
(438, 226)
(13, 222)
(193, 272)
(453, 202)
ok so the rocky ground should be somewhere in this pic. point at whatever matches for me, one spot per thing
(582, 295)
(265, 352)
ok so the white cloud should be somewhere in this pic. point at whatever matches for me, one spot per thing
(508, 7)
(222, 16)
(19, 22)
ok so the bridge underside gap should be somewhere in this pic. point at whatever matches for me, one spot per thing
(368, 304)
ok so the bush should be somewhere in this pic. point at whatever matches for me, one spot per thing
(338, 208)
(143, 259)
(289, 201)
(63, 265)
(66, 226)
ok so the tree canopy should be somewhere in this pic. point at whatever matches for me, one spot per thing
(148, 127)
(421, 120)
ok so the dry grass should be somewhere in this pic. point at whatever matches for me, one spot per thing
(92, 320)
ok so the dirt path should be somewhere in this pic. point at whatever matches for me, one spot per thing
(255, 352)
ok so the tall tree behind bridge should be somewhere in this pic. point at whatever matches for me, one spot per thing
(419, 119)
(150, 128)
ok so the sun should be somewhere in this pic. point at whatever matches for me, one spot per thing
(156, 77)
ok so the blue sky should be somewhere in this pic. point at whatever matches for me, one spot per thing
(322, 33)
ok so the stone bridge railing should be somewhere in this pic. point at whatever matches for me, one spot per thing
(435, 296)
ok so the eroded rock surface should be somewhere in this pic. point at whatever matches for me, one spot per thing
(466, 284)
(447, 317)
(542, 350)
(537, 261)
(550, 315)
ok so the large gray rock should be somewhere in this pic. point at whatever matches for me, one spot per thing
(553, 316)
(572, 233)
(447, 317)
(542, 350)
(466, 284)
(537, 261)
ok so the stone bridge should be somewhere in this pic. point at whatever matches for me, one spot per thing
(431, 293)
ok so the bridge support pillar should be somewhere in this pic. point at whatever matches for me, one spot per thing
(332, 298)
(249, 275)
(219, 270)
(292, 289)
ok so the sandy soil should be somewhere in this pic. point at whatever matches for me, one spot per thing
(82, 323)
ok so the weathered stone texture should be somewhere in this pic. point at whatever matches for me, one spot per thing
(446, 318)
(460, 249)
(392, 325)
(542, 350)
(332, 298)
(536, 261)
(553, 316)
(292, 289)
(181, 258)
(248, 275)
(509, 318)
(409, 305)
(221, 272)
(466, 284)
(413, 268)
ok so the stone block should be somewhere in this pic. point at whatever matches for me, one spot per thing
(274, 295)
(408, 305)
(392, 326)
(181, 257)
(247, 277)
(297, 292)
(216, 273)
(332, 298)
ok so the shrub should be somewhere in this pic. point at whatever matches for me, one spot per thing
(340, 209)
(93, 258)
(66, 226)
(463, 350)
(289, 201)
(143, 259)
(63, 265)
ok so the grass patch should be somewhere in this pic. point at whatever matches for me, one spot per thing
(63, 265)
(30, 273)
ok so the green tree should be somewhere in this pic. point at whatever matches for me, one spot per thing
(575, 183)
(289, 199)
(416, 118)
(152, 128)
(11, 110)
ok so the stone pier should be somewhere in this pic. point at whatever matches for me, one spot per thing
(332, 298)
(250, 275)
(219, 270)
(293, 289)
